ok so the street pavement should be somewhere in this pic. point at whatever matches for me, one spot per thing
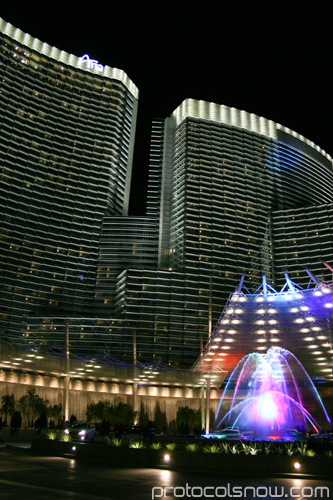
(23, 475)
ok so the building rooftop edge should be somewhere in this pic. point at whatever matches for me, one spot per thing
(237, 118)
(66, 58)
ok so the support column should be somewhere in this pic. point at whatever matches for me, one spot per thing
(210, 308)
(135, 384)
(67, 378)
(202, 395)
(207, 406)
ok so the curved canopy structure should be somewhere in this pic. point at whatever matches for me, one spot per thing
(296, 319)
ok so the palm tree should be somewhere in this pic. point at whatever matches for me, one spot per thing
(55, 412)
(187, 419)
(23, 406)
(32, 405)
(8, 405)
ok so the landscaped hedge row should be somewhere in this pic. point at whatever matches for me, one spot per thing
(182, 457)
(225, 447)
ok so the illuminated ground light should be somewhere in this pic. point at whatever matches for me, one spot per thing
(166, 458)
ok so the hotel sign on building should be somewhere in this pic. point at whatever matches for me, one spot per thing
(91, 63)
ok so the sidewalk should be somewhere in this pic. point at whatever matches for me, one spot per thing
(22, 439)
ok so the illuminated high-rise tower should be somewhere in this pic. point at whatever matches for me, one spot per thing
(220, 182)
(230, 171)
(66, 145)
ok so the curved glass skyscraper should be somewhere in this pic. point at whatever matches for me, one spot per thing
(230, 172)
(66, 144)
(220, 181)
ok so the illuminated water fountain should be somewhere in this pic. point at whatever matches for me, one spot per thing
(269, 395)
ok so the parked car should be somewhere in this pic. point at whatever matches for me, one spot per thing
(227, 433)
(296, 435)
(134, 429)
(81, 430)
(322, 436)
(149, 430)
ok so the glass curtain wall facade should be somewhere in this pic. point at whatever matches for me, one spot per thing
(219, 181)
(66, 146)
(302, 237)
(229, 194)
(126, 243)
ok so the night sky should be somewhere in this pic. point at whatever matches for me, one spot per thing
(270, 58)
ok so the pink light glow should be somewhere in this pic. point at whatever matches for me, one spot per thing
(267, 408)
(265, 397)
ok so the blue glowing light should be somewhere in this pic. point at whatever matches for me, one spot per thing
(266, 394)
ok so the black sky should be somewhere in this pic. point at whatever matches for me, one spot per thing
(269, 58)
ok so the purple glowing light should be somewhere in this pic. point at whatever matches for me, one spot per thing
(267, 395)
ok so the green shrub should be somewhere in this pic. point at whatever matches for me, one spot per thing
(234, 450)
(51, 435)
(310, 453)
(192, 447)
(66, 438)
(212, 448)
(303, 451)
(156, 446)
(245, 448)
(290, 449)
(255, 449)
(224, 448)
(114, 441)
(266, 448)
(136, 444)
(171, 446)
(279, 450)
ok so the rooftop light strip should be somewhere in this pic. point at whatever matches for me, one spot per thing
(202, 110)
(60, 55)
(303, 139)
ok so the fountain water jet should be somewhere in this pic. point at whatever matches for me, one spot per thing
(269, 395)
